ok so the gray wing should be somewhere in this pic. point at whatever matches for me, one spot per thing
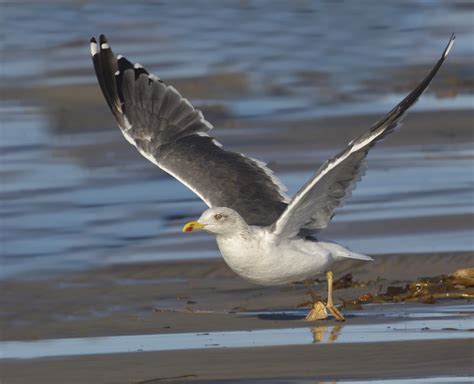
(171, 133)
(312, 208)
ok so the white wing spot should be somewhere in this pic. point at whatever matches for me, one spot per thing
(93, 48)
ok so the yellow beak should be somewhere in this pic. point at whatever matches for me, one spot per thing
(193, 226)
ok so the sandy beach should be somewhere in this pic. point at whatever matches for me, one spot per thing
(193, 296)
(188, 300)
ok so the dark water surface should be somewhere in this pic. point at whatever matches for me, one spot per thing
(73, 195)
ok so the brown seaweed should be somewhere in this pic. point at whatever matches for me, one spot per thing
(457, 285)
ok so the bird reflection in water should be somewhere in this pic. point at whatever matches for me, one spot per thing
(320, 331)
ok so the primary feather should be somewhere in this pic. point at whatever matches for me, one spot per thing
(314, 204)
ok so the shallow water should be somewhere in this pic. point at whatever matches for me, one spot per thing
(71, 198)
(60, 214)
(387, 311)
(427, 329)
(192, 39)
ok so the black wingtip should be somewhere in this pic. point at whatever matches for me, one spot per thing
(93, 40)
(450, 45)
(103, 39)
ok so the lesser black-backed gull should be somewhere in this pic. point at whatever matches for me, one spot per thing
(263, 236)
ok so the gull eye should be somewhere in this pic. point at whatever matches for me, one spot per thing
(218, 217)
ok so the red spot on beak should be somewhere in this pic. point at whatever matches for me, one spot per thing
(192, 226)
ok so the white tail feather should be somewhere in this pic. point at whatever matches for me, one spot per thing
(339, 252)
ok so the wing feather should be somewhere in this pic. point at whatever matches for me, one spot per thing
(168, 131)
(312, 208)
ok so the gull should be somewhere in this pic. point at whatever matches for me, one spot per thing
(262, 234)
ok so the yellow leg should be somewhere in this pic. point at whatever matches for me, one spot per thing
(330, 305)
(318, 310)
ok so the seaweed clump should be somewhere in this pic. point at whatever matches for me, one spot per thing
(429, 290)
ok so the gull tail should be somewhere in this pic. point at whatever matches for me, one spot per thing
(355, 256)
(338, 252)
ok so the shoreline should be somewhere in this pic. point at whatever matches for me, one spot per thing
(186, 296)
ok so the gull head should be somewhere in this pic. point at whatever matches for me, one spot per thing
(218, 221)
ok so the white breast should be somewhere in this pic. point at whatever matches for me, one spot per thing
(256, 256)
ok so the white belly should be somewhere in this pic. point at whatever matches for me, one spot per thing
(260, 260)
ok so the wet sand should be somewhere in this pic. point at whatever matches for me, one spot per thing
(188, 296)
(205, 296)
(311, 363)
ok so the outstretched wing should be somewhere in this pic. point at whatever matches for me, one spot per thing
(171, 133)
(312, 208)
